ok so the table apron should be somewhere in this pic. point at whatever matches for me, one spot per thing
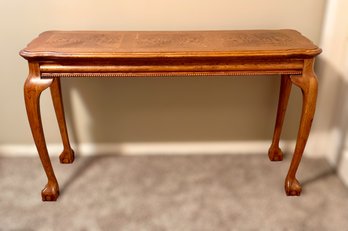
(49, 70)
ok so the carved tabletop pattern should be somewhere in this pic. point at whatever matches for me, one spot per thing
(169, 43)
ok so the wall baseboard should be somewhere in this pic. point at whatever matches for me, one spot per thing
(343, 168)
(151, 148)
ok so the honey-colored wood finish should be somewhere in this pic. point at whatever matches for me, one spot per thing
(309, 86)
(68, 54)
(33, 87)
(67, 156)
(274, 152)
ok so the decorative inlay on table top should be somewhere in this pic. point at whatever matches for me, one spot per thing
(168, 40)
(88, 41)
(169, 43)
(258, 39)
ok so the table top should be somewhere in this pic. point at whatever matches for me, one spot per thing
(144, 44)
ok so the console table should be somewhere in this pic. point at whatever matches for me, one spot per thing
(69, 54)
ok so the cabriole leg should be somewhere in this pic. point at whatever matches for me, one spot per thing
(274, 152)
(33, 87)
(309, 87)
(67, 156)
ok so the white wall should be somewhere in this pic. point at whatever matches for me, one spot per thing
(332, 124)
(151, 110)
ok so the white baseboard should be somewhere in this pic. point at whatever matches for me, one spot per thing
(343, 168)
(151, 148)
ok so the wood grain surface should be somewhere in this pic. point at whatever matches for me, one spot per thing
(145, 44)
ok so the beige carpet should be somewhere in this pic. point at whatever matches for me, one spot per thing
(213, 192)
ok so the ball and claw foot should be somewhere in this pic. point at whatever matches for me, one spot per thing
(50, 192)
(67, 156)
(275, 154)
(292, 187)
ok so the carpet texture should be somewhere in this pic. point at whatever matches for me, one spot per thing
(211, 192)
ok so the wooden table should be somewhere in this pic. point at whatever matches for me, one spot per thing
(69, 54)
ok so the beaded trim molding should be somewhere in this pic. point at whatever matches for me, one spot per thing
(168, 74)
